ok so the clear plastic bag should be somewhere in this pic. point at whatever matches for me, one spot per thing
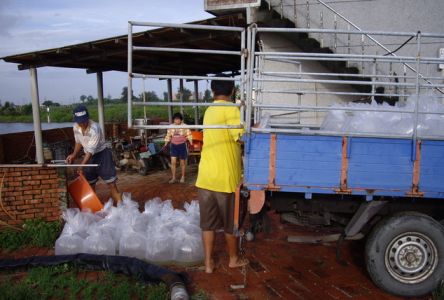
(68, 244)
(159, 246)
(133, 244)
(98, 243)
(188, 248)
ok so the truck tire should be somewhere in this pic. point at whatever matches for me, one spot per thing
(404, 254)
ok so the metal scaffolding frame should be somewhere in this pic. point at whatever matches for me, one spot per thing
(252, 77)
(131, 48)
(411, 85)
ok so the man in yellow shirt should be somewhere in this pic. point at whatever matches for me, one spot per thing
(220, 174)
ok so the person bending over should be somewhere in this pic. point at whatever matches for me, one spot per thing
(89, 136)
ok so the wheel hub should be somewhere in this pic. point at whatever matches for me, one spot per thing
(411, 257)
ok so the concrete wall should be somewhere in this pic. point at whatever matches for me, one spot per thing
(273, 43)
(379, 15)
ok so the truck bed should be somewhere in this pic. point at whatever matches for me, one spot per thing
(344, 165)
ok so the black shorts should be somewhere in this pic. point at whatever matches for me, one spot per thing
(216, 210)
(180, 151)
(106, 169)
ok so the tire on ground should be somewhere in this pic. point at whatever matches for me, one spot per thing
(413, 241)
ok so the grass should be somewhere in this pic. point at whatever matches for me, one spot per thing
(36, 233)
(116, 112)
(62, 282)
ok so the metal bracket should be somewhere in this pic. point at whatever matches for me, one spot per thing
(364, 213)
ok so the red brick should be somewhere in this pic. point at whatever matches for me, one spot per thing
(14, 183)
(31, 182)
(26, 216)
(45, 186)
(54, 176)
(47, 181)
(33, 201)
(38, 177)
(32, 192)
(32, 210)
(40, 214)
(26, 206)
(14, 174)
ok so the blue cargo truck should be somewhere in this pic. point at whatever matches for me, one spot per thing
(389, 189)
(380, 184)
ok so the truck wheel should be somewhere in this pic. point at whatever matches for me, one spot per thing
(405, 254)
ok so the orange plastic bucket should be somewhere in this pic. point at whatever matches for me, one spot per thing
(84, 195)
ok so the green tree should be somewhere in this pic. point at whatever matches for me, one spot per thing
(207, 96)
(50, 103)
(186, 94)
(27, 109)
(9, 109)
(150, 96)
(124, 95)
(165, 96)
(83, 98)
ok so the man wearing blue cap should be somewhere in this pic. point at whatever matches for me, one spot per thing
(89, 135)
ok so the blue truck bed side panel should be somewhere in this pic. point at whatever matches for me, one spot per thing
(258, 158)
(376, 166)
(432, 166)
(376, 163)
(308, 161)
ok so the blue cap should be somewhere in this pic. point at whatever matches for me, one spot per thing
(81, 114)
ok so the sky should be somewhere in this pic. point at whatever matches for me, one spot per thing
(31, 25)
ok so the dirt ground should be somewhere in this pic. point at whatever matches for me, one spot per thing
(277, 269)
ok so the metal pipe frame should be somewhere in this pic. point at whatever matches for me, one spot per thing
(187, 77)
(345, 75)
(360, 32)
(47, 165)
(399, 59)
(185, 50)
(186, 26)
(170, 96)
(132, 48)
(196, 107)
(325, 108)
(130, 79)
(36, 116)
(332, 93)
(185, 104)
(187, 126)
(389, 60)
(418, 87)
(329, 133)
(347, 82)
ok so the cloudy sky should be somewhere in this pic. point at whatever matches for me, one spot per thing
(29, 25)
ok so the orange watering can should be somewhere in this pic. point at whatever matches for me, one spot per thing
(84, 195)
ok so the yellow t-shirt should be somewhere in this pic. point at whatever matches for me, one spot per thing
(220, 162)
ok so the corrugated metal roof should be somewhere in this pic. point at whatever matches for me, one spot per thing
(110, 54)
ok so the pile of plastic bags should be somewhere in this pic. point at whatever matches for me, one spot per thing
(159, 234)
(391, 122)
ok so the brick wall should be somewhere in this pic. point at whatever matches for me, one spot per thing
(32, 193)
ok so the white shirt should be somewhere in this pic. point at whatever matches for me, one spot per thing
(92, 139)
